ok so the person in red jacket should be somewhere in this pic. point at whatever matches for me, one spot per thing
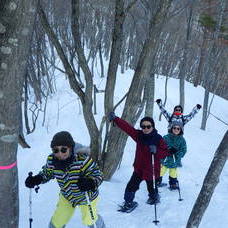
(150, 148)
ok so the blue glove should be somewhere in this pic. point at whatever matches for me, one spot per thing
(153, 149)
(111, 116)
(198, 106)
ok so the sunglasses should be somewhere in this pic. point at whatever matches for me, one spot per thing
(176, 128)
(62, 150)
(178, 110)
(146, 126)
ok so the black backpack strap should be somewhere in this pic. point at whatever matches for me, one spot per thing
(170, 119)
(182, 117)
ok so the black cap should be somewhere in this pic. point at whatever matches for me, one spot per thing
(62, 138)
(178, 106)
(147, 118)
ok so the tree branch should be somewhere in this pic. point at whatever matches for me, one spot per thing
(51, 35)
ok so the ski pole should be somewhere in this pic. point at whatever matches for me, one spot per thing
(180, 199)
(30, 204)
(155, 204)
(30, 208)
(90, 209)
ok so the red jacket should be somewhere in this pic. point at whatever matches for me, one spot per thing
(143, 157)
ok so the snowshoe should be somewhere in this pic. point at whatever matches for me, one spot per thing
(128, 207)
(161, 185)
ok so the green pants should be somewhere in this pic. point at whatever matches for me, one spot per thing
(64, 211)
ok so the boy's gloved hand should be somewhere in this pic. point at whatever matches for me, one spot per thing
(172, 150)
(158, 101)
(111, 116)
(86, 184)
(31, 181)
(198, 106)
(153, 149)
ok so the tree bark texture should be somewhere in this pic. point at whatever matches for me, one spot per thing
(210, 182)
(149, 95)
(117, 37)
(16, 23)
(205, 108)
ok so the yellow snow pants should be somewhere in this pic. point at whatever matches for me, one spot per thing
(64, 211)
(172, 171)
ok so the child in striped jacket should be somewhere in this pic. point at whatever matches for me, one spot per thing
(78, 177)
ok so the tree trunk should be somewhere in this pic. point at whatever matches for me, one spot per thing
(183, 64)
(16, 22)
(149, 90)
(210, 182)
(202, 58)
(117, 38)
(166, 93)
(205, 107)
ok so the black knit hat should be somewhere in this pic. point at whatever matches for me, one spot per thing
(62, 138)
(179, 124)
(178, 106)
(147, 118)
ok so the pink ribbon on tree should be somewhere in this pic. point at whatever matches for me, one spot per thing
(8, 166)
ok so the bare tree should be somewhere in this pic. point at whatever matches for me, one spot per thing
(16, 25)
(210, 182)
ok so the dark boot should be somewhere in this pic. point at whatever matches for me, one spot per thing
(129, 196)
(173, 183)
(154, 198)
(159, 182)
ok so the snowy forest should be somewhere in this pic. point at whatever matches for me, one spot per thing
(86, 42)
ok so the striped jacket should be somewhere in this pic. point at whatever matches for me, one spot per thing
(180, 118)
(82, 165)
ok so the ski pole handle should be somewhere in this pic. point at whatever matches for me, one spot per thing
(37, 187)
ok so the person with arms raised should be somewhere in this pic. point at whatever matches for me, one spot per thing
(177, 114)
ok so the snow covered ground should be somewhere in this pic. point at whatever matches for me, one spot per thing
(64, 113)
